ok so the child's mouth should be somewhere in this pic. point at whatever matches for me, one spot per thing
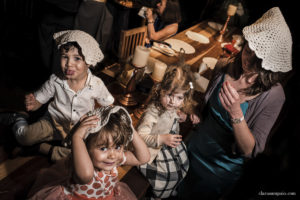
(69, 72)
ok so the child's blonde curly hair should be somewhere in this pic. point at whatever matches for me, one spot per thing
(177, 78)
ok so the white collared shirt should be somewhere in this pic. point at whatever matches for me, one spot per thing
(68, 106)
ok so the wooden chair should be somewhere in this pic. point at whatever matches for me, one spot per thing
(129, 39)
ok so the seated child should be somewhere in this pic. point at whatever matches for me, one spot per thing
(159, 127)
(99, 146)
(74, 93)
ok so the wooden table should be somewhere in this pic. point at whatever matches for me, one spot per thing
(212, 49)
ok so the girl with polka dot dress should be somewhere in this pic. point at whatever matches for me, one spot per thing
(99, 146)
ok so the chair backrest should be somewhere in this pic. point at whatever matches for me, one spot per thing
(129, 39)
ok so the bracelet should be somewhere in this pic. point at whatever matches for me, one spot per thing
(237, 120)
(150, 22)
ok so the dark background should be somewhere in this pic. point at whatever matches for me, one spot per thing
(22, 70)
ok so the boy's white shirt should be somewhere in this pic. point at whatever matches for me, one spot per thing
(69, 106)
(152, 125)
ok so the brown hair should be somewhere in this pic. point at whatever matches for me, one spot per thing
(172, 12)
(118, 129)
(177, 78)
(265, 78)
(69, 45)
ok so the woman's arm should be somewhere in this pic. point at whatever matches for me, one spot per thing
(230, 99)
(162, 34)
(82, 163)
(140, 155)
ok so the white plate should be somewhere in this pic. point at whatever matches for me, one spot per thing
(210, 62)
(197, 37)
(178, 44)
(215, 26)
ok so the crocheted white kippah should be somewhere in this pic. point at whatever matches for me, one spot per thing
(104, 112)
(89, 46)
(270, 38)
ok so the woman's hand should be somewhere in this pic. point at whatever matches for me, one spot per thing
(31, 103)
(171, 140)
(149, 15)
(86, 123)
(231, 100)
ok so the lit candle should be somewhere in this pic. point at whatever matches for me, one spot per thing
(159, 71)
(140, 57)
(231, 10)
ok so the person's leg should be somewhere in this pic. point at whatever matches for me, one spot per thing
(27, 135)
(58, 153)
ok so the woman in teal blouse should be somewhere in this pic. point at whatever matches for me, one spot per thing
(243, 102)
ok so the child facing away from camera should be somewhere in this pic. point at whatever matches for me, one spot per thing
(74, 93)
(99, 146)
(159, 127)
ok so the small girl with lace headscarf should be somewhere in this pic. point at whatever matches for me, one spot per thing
(99, 145)
(159, 127)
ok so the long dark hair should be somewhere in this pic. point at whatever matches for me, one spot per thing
(172, 12)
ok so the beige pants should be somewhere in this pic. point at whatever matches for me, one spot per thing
(42, 131)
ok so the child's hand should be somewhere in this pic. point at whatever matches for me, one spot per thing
(31, 103)
(171, 140)
(123, 192)
(86, 123)
(182, 116)
(194, 118)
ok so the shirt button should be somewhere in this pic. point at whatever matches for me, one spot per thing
(75, 95)
(74, 110)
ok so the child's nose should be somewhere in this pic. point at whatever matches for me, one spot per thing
(112, 154)
(171, 99)
(69, 63)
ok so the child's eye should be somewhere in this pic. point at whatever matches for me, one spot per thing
(118, 147)
(103, 148)
(78, 58)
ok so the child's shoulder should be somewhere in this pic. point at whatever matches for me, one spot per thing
(96, 80)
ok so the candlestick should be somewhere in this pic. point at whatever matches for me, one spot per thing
(139, 61)
(139, 111)
(230, 12)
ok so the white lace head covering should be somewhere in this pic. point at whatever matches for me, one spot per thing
(270, 38)
(104, 112)
(89, 46)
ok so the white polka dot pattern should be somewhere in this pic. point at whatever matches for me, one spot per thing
(100, 187)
